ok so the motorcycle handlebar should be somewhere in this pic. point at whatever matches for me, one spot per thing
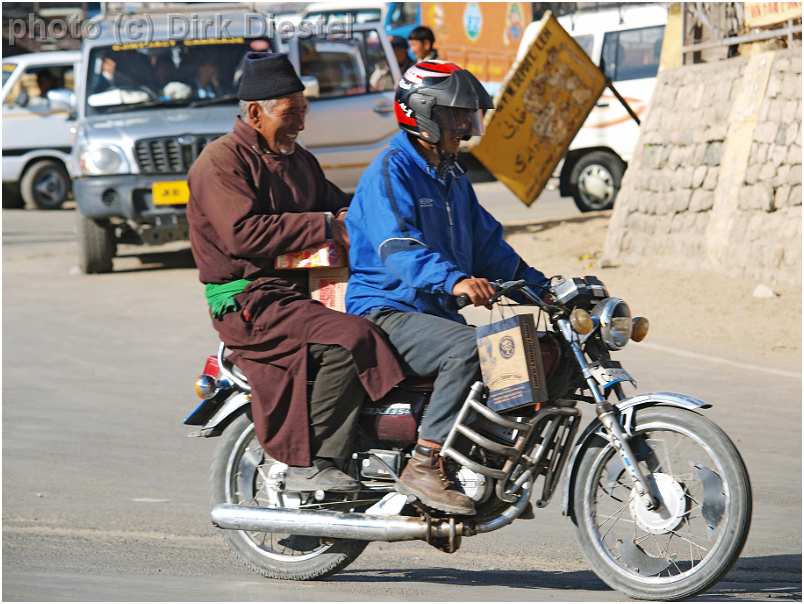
(502, 289)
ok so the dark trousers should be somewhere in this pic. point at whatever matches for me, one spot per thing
(432, 346)
(334, 402)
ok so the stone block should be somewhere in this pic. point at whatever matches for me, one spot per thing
(764, 109)
(767, 172)
(717, 131)
(795, 197)
(789, 113)
(702, 200)
(780, 196)
(793, 154)
(794, 175)
(710, 182)
(781, 175)
(792, 133)
(712, 154)
(698, 176)
(778, 154)
(763, 197)
(762, 153)
(766, 132)
(681, 200)
(791, 88)
(776, 110)
(795, 64)
(698, 154)
(781, 134)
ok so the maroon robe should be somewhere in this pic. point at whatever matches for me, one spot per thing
(247, 206)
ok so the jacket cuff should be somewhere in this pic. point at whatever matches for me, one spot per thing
(453, 278)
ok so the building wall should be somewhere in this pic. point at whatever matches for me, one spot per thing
(716, 178)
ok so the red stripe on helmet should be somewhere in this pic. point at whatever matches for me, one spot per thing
(439, 67)
(403, 117)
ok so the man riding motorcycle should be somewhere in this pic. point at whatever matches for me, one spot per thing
(419, 238)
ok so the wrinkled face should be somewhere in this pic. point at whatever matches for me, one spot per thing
(281, 126)
(420, 48)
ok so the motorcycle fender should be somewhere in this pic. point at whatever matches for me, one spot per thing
(233, 405)
(626, 408)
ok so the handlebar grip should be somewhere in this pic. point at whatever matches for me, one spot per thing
(463, 300)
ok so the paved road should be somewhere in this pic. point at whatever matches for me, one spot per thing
(104, 498)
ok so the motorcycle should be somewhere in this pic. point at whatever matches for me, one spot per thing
(659, 494)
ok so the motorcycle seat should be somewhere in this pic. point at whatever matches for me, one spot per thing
(417, 384)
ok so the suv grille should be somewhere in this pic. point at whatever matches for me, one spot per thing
(170, 155)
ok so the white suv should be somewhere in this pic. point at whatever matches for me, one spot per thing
(37, 89)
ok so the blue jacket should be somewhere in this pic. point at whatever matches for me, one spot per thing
(413, 237)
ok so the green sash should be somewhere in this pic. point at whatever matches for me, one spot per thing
(221, 296)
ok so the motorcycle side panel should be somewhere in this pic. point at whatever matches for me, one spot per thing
(625, 407)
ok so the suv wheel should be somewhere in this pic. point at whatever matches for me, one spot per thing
(96, 245)
(45, 185)
(595, 181)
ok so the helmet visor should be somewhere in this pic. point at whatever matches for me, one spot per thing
(459, 123)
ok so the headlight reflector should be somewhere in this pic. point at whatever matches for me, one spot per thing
(99, 160)
(615, 322)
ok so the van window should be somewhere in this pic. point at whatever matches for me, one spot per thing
(404, 13)
(586, 42)
(632, 54)
(30, 91)
(346, 66)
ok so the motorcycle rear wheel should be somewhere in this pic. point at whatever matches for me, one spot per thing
(236, 477)
(706, 494)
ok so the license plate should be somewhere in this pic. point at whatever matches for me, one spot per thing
(611, 375)
(170, 193)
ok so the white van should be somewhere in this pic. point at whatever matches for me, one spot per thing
(627, 43)
(36, 130)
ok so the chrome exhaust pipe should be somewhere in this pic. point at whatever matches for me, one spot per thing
(336, 525)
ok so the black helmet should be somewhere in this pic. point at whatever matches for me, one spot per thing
(437, 94)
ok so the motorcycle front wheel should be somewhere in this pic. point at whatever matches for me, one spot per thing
(687, 544)
(238, 475)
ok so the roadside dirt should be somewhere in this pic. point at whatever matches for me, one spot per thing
(702, 312)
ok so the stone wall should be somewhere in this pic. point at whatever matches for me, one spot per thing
(716, 177)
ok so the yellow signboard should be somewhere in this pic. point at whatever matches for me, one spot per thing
(762, 14)
(539, 108)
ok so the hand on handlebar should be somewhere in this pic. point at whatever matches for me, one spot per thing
(477, 289)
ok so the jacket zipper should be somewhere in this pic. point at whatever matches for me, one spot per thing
(451, 225)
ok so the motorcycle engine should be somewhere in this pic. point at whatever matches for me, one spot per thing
(474, 485)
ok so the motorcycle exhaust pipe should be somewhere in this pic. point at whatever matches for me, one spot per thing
(336, 525)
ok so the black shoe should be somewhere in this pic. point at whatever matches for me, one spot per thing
(321, 476)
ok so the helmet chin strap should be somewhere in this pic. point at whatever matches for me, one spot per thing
(446, 161)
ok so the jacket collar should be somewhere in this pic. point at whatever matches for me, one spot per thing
(402, 142)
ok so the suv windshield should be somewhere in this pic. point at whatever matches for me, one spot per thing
(168, 73)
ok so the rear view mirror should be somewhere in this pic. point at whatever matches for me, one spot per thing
(311, 88)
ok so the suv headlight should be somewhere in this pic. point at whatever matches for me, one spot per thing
(615, 322)
(99, 160)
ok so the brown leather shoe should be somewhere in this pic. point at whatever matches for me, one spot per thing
(426, 478)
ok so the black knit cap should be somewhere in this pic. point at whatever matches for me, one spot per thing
(267, 75)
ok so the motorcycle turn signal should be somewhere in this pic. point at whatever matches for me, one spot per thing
(640, 329)
(581, 321)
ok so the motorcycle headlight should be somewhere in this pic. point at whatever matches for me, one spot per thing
(615, 322)
(100, 160)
